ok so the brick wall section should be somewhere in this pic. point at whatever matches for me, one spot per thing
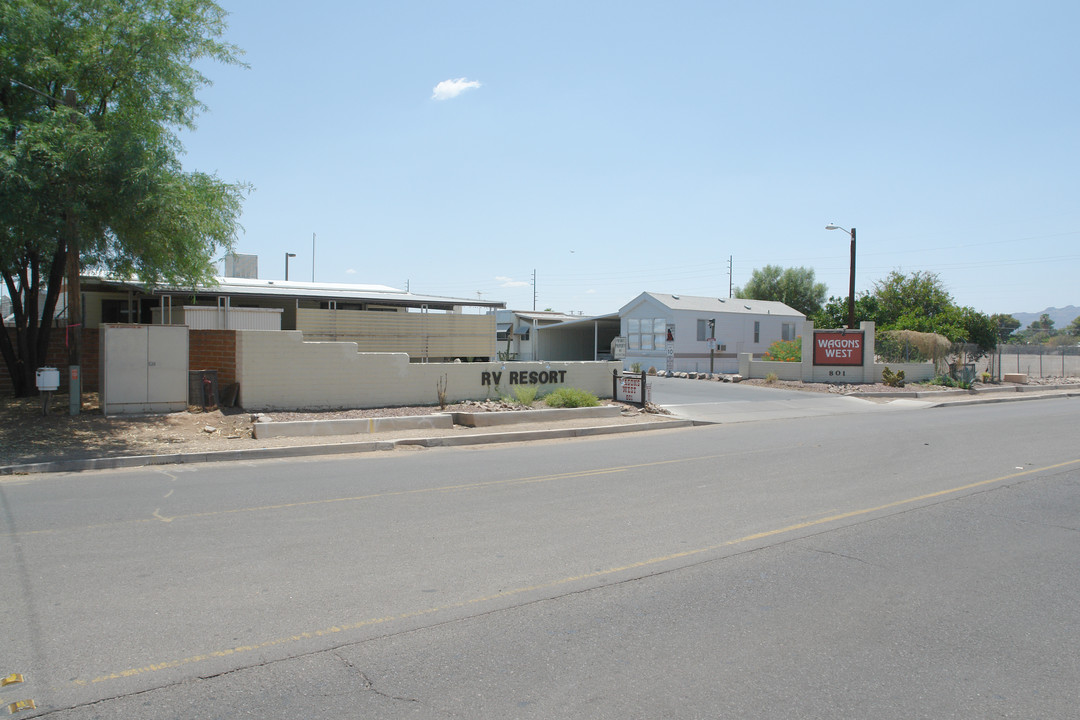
(213, 350)
(207, 350)
(57, 357)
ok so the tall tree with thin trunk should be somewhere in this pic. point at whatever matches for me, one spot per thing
(93, 94)
(794, 286)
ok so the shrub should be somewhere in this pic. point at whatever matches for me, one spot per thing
(771, 378)
(635, 367)
(525, 394)
(785, 351)
(571, 398)
(892, 379)
(440, 392)
(900, 346)
(947, 382)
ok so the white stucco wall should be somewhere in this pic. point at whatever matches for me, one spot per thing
(868, 372)
(279, 371)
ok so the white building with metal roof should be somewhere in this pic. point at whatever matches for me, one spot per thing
(672, 332)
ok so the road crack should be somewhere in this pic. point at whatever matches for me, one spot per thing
(368, 685)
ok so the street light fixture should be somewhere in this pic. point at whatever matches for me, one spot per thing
(851, 278)
(287, 256)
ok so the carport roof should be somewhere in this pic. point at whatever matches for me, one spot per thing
(584, 321)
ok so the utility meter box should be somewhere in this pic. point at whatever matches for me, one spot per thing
(144, 368)
(48, 379)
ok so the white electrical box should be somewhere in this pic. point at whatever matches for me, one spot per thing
(144, 368)
(48, 379)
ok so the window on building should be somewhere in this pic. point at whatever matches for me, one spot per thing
(659, 332)
(757, 331)
(787, 331)
(118, 311)
(702, 330)
(633, 333)
(646, 333)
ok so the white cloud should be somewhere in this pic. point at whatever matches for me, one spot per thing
(511, 282)
(350, 271)
(448, 89)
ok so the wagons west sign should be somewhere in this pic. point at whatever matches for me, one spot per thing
(838, 348)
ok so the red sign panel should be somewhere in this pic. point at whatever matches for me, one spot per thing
(838, 348)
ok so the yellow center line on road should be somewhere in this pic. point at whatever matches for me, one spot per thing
(507, 482)
(337, 629)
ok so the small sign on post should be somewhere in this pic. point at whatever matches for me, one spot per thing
(618, 348)
(632, 388)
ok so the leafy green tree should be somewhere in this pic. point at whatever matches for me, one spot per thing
(1039, 332)
(795, 287)
(1007, 324)
(834, 313)
(1043, 324)
(92, 96)
(920, 294)
(1074, 326)
(920, 302)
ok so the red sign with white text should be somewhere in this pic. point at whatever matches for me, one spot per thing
(838, 348)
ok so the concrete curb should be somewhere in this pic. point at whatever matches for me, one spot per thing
(1003, 399)
(970, 393)
(111, 463)
(434, 421)
(491, 419)
(354, 426)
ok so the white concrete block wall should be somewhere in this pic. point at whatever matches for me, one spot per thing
(279, 371)
(868, 372)
(761, 368)
(913, 372)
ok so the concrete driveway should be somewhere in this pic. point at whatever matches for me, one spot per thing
(716, 402)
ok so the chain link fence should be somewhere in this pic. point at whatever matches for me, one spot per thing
(1036, 361)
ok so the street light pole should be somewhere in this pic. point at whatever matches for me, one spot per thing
(287, 256)
(851, 276)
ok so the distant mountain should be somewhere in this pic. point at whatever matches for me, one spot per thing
(1062, 317)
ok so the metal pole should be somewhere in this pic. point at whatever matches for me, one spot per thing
(312, 257)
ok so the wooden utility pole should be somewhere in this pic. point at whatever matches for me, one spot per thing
(73, 332)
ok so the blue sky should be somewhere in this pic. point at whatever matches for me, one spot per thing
(619, 147)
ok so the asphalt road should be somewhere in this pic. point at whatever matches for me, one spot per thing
(899, 565)
(718, 402)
